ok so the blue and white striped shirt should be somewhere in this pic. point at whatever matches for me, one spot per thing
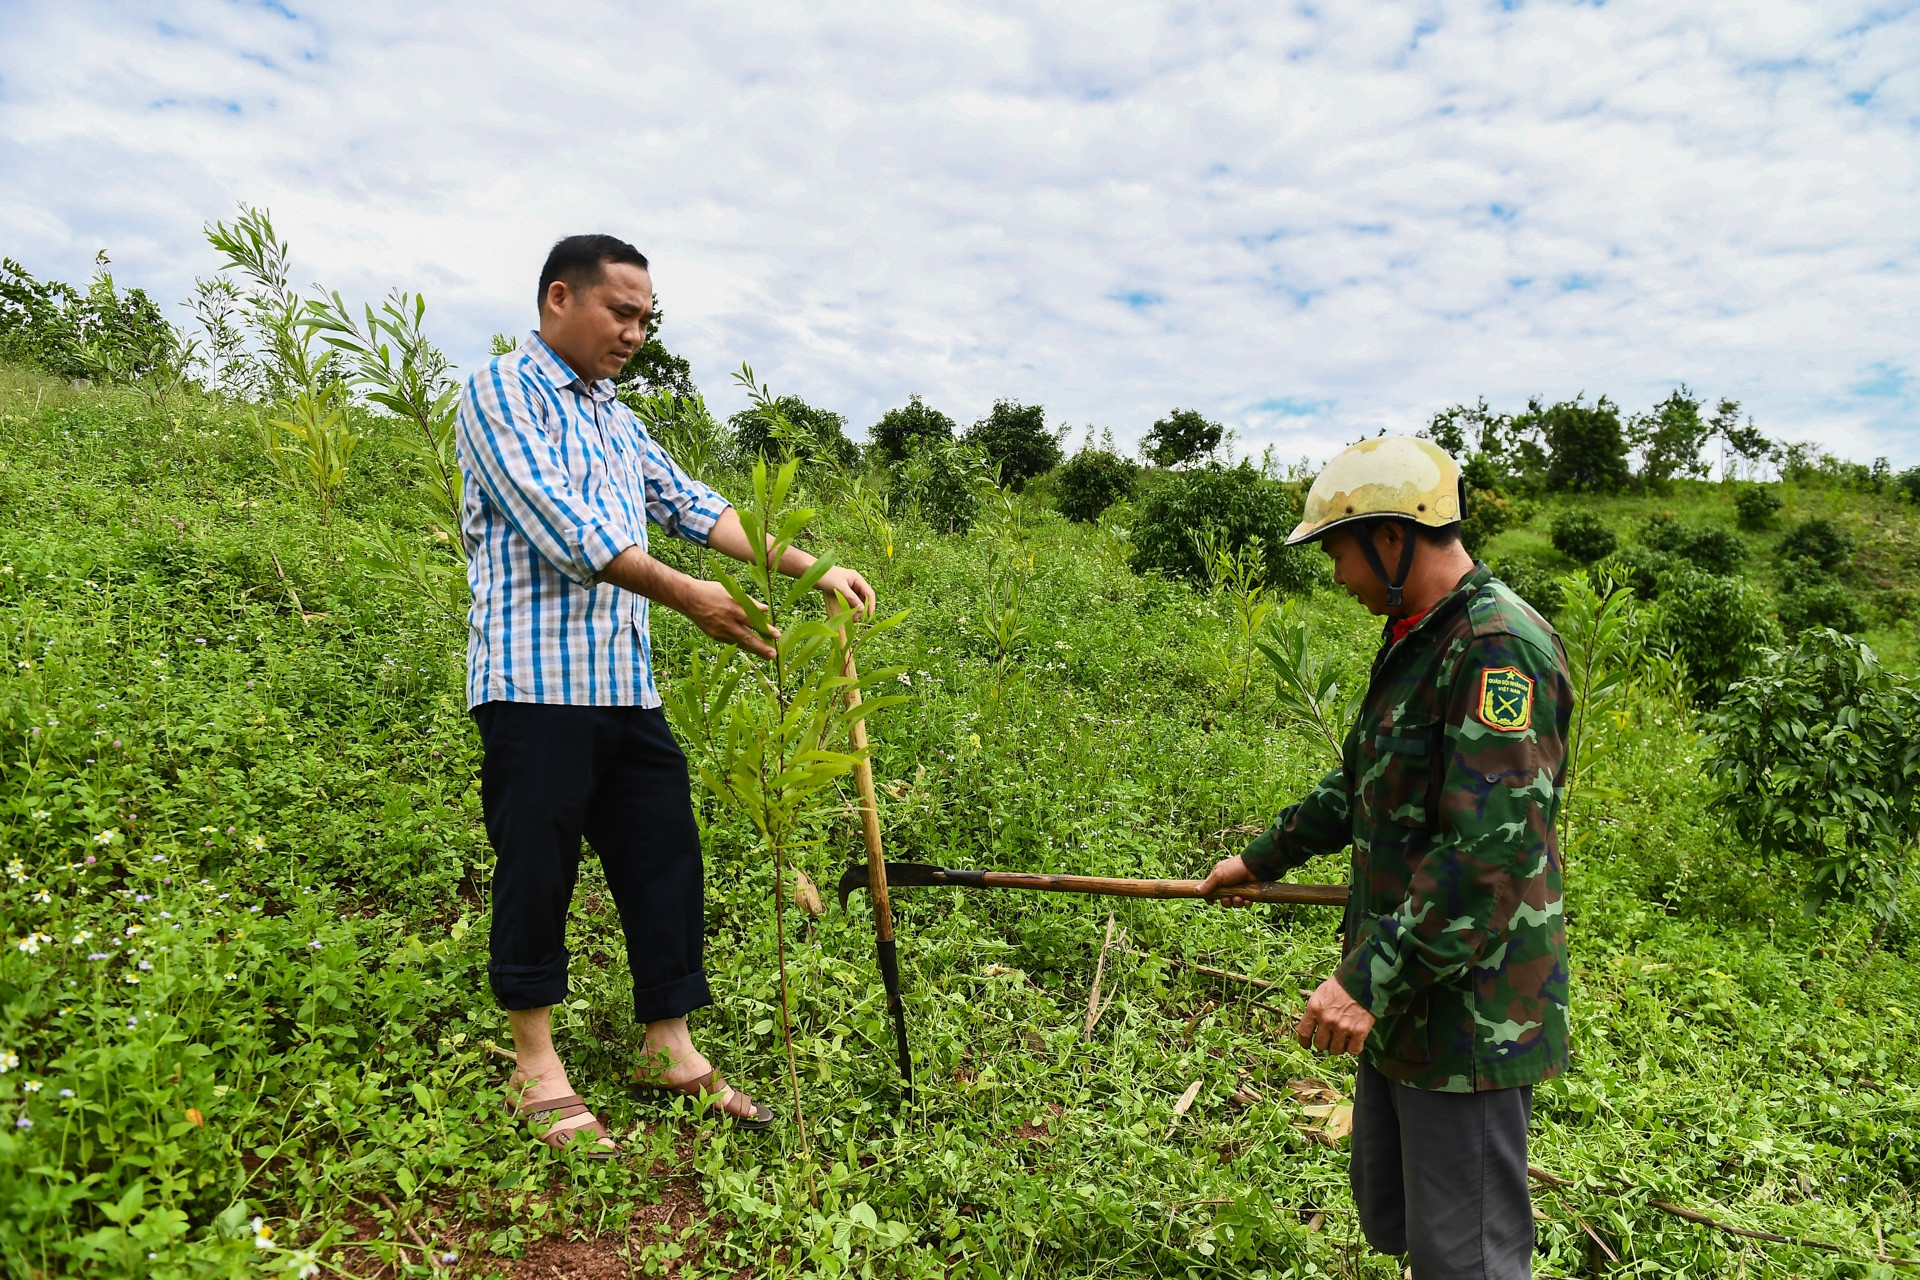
(560, 479)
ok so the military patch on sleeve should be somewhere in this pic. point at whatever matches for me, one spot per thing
(1506, 699)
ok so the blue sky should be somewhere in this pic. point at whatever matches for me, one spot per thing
(1311, 222)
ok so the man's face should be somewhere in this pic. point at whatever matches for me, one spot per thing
(1351, 570)
(597, 329)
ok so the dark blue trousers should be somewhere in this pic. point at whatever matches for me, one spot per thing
(614, 775)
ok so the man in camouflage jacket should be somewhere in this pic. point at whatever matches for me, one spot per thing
(1453, 986)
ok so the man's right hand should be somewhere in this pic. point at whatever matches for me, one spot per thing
(1229, 871)
(716, 613)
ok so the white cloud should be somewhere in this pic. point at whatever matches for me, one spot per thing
(1310, 222)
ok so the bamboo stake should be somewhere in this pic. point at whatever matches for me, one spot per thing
(885, 952)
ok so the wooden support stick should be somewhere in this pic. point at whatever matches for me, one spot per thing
(885, 953)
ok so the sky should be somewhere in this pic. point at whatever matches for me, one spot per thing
(1309, 222)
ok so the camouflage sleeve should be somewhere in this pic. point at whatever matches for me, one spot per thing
(1322, 823)
(1493, 869)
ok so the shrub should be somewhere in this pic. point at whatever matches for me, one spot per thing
(1818, 604)
(1756, 505)
(1636, 568)
(1908, 482)
(1240, 505)
(1583, 536)
(1090, 482)
(1709, 549)
(1532, 582)
(938, 480)
(1816, 750)
(1717, 625)
(914, 420)
(811, 433)
(1015, 438)
(101, 333)
(1818, 541)
(1181, 437)
(1488, 513)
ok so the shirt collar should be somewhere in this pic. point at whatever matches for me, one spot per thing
(549, 363)
(1399, 629)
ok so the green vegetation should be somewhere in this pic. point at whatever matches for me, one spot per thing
(245, 885)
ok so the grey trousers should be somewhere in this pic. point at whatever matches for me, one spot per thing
(1442, 1177)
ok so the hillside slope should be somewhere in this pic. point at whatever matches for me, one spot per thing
(246, 906)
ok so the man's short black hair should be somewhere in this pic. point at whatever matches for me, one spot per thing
(582, 262)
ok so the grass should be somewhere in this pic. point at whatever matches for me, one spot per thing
(263, 815)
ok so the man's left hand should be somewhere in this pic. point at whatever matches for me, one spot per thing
(850, 587)
(1333, 1021)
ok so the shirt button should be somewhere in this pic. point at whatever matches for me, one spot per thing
(1493, 777)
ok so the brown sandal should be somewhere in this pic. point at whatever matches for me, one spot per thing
(715, 1089)
(562, 1108)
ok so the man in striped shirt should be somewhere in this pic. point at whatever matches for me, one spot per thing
(561, 482)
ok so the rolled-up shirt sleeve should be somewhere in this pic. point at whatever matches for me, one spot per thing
(573, 523)
(678, 503)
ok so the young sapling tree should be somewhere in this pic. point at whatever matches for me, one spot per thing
(773, 731)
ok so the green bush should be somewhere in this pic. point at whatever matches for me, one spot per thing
(1705, 547)
(1818, 541)
(1817, 751)
(1583, 536)
(1090, 482)
(1014, 437)
(1488, 513)
(1636, 568)
(1756, 505)
(1908, 483)
(813, 433)
(1241, 505)
(1819, 604)
(939, 480)
(1532, 582)
(1717, 625)
(99, 333)
(899, 428)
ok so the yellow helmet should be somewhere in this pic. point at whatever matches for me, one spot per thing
(1390, 478)
(1393, 476)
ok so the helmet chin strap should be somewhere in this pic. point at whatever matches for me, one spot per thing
(1394, 584)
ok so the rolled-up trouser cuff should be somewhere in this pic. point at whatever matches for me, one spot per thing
(674, 999)
(522, 986)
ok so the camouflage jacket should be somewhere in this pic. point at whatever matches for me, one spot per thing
(1455, 936)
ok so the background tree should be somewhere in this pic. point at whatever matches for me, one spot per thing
(1015, 438)
(102, 334)
(1091, 481)
(1584, 444)
(1240, 507)
(1181, 437)
(1669, 439)
(914, 420)
(798, 430)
